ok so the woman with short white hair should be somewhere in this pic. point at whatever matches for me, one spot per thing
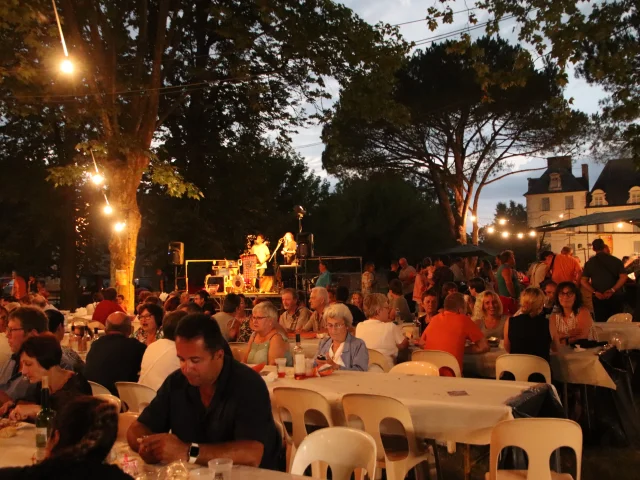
(267, 343)
(340, 349)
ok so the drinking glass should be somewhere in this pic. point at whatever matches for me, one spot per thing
(281, 364)
(220, 468)
(308, 367)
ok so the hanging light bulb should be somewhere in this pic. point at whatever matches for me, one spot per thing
(561, 215)
(620, 225)
(97, 178)
(66, 66)
(472, 218)
(505, 234)
(108, 210)
(532, 233)
(118, 227)
(502, 221)
(491, 230)
(521, 235)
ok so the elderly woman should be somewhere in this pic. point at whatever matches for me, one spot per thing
(340, 349)
(530, 332)
(379, 332)
(150, 317)
(573, 321)
(267, 342)
(488, 315)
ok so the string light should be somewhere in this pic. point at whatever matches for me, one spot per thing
(473, 218)
(620, 225)
(532, 233)
(66, 66)
(97, 179)
(118, 227)
(521, 235)
(561, 215)
(108, 210)
(491, 230)
(505, 234)
(502, 221)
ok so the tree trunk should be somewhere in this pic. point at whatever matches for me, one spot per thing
(124, 180)
(68, 253)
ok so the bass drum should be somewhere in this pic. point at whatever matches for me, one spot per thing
(238, 283)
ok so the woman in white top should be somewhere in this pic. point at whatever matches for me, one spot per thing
(160, 358)
(487, 313)
(573, 321)
(379, 332)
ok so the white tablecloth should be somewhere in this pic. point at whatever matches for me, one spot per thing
(567, 366)
(436, 414)
(630, 333)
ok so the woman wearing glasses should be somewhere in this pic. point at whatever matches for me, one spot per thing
(573, 321)
(340, 349)
(267, 342)
(150, 317)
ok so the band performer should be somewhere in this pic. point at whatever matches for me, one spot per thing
(260, 250)
(289, 249)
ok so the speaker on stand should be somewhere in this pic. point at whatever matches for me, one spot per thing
(176, 258)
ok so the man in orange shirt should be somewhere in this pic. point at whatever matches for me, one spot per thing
(449, 330)
(565, 267)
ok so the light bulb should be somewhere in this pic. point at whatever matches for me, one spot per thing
(561, 215)
(97, 179)
(620, 225)
(491, 230)
(107, 209)
(472, 218)
(118, 227)
(66, 66)
(532, 233)
(505, 234)
(502, 221)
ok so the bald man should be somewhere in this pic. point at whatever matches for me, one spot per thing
(115, 357)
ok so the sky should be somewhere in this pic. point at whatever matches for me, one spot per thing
(585, 97)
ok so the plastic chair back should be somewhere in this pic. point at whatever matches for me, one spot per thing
(115, 401)
(97, 389)
(298, 402)
(135, 395)
(343, 448)
(416, 368)
(239, 350)
(522, 366)
(124, 422)
(539, 437)
(377, 358)
(439, 358)
(620, 318)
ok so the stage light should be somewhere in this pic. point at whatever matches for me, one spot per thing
(620, 225)
(521, 235)
(532, 233)
(491, 230)
(473, 218)
(118, 227)
(107, 209)
(505, 234)
(502, 221)
(97, 178)
(66, 66)
(561, 215)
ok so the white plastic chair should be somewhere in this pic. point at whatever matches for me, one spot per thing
(439, 358)
(539, 437)
(372, 410)
(344, 449)
(97, 389)
(522, 366)
(135, 395)
(239, 350)
(377, 359)
(620, 318)
(124, 422)
(115, 401)
(416, 368)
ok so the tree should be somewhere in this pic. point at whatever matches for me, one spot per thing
(380, 217)
(438, 121)
(601, 39)
(138, 62)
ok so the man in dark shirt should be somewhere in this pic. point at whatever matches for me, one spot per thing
(115, 357)
(604, 276)
(342, 295)
(214, 406)
(442, 274)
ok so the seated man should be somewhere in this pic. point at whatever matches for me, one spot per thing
(70, 359)
(115, 357)
(295, 316)
(214, 406)
(448, 331)
(230, 312)
(318, 301)
(24, 322)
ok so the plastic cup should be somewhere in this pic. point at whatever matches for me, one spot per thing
(308, 367)
(220, 468)
(281, 365)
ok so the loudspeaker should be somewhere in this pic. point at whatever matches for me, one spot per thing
(176, 253)
(305, 244)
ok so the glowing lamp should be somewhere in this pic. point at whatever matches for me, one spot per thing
(107, 209)
(491, 230)
(97, 179)
(505, 234)
(66, 66)
(118, 227)
(502, 221)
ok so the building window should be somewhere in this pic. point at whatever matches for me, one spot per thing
(598, 198)
(568, 202)
(634, 195)
(546, 204)
(600, 228)
(554, 183)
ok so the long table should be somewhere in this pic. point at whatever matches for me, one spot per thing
(567, 366)
(442, 408)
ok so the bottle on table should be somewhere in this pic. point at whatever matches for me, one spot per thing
(299, 366)
(44, 421)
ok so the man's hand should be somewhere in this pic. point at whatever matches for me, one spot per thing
(163, 447)
(599, 295)
(5, 408)
(24, 412)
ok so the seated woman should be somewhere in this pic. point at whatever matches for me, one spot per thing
(84, 431)
(40, 357)
(150, 316)
(572, 320)
(531, 333)
(399, 305)
(487, 314)
(358, 300)
(340, 349)
(379, 332)
(267, 342)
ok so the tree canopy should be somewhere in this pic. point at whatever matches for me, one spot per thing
(442, 122)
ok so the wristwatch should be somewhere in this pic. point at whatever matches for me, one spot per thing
(194, 451)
